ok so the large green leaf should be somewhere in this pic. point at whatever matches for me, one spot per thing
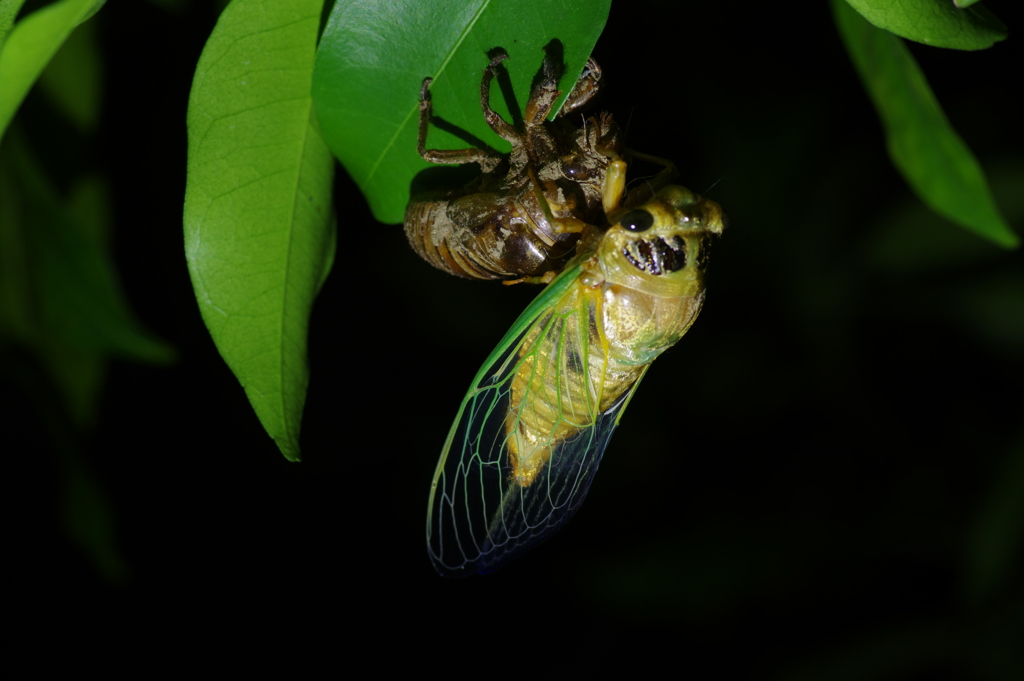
(939, 23)
(922, 144)
(259, 232)
(29, 47)
(375, 53)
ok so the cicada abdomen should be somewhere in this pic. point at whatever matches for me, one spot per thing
(525, 213)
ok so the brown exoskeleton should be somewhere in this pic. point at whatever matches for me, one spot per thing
(521, 219)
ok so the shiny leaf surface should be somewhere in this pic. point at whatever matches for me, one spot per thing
(259, 234)
(374, 55)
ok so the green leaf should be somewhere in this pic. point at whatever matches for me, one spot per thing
(73, 80)
(59, 295)
(8, 13)
(938, 23)
(258, 222)
(375, 53)
(29, 47)
(922, 144)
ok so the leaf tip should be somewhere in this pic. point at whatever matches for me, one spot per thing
(290, 450)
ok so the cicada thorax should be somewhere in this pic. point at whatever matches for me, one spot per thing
(652, 264)
(635, 297)
(524, 215)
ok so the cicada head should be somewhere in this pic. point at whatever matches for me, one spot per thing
(660, 244)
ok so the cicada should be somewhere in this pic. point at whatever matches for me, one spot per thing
(525, 213)
(531, 431)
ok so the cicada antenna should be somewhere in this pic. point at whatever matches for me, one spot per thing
(714, 184)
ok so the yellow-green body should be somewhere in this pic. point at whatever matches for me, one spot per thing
(531, 431)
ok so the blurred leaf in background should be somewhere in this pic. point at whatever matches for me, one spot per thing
(932, 157)
(31, 44)
(73, 80)
(935, 22)
(62, 314)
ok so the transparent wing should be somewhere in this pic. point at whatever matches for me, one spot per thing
(482, 513)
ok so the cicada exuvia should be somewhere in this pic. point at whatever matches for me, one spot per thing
(525, 213)
(531, 431)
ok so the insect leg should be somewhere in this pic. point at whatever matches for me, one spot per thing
(498, 125)
(561, 225)
(614, 186)
(605, 134)
(669, 165)
(487, 159)
(543, 96)
(586, 88)
(545, 279)
(644, 192)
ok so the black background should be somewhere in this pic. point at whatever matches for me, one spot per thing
(796, 488)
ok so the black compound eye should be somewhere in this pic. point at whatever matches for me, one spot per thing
(638, 220)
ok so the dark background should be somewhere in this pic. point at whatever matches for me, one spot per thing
(825, 477)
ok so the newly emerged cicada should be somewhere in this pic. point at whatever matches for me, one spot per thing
(526, 212)
(531, 431)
